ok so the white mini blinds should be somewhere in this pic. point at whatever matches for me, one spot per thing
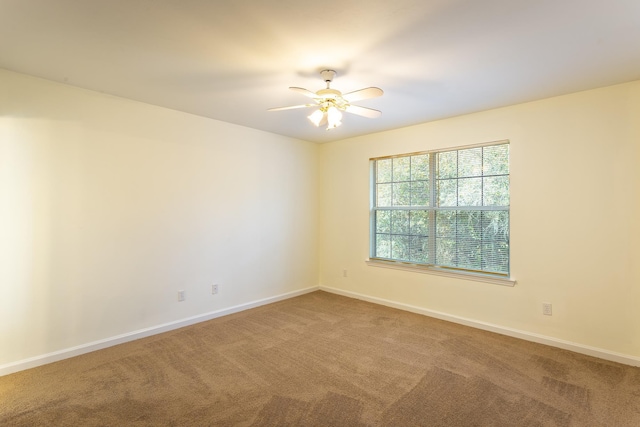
(443, 209)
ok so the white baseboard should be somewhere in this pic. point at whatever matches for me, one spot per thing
(528, 336)
(66, 353)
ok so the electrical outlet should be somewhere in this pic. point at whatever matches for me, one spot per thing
(181, 296)
(214, 289)
(546, 309)
(344, 273)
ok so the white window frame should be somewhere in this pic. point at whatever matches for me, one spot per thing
(481, 276)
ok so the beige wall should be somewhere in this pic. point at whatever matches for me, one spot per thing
(575, 194)
(108, 207)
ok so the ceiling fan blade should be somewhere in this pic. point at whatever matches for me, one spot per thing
(304, 92)
(370, 92)
(363, 111)
(292, 107)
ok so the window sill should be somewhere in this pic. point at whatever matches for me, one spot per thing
(486, 278)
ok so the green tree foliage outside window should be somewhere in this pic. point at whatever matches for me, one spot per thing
(447, 209)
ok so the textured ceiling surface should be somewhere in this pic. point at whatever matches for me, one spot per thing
(231, 60)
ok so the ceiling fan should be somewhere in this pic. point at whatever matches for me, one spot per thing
(330, 103)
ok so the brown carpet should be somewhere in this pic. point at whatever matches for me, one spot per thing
(325, 360)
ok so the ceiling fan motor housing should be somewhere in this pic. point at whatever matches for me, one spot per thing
(329, 93)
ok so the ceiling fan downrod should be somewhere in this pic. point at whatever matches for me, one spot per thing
(328, 76)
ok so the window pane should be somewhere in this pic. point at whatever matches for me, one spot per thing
(470, 192)
(469, 254)
(383, 195)
(383, 246)
(383, 169)
(470, 162)
(468, 223)
(419, 193)
(468, 237)
(496, 191)
(401, 169)
(420, 167)
(495, 226)
(495, 240)
(496, 160)
(445, 252)
(400, 222)
(400, 247)
(383, 221)
(446, 224)
(419, 249)
(401, 193)
(495, 257)
(447, 164)
(419, 223)
(447, 192)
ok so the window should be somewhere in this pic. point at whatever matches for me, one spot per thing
(443, 209)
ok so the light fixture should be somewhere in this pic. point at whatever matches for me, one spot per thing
(316, 117)
(333, 116)
(327, 113)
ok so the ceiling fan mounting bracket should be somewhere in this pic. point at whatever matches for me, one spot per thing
(328, 75)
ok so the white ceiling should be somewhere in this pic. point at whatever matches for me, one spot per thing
(232, 60)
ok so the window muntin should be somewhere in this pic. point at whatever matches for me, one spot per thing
(447, 209)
